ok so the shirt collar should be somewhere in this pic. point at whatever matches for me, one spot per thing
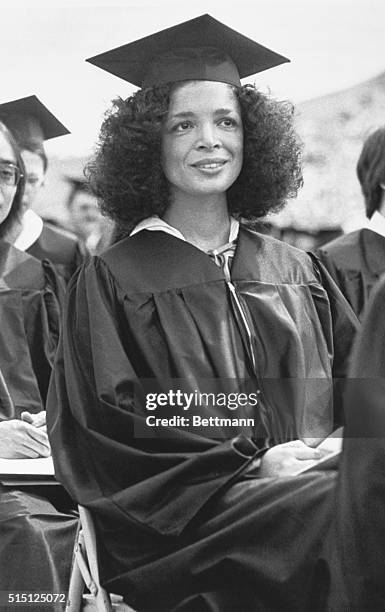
(376, 223)
(157, 224)
(31, 228)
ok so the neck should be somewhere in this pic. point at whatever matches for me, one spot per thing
(205, 224)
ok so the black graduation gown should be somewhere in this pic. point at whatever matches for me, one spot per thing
(155, 307)
(63, 249)
(30, 296)
(36, 539)
(356, 262)
(356, 543)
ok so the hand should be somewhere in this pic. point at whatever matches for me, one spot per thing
(38, 419)
(286, 459)
(20, 440)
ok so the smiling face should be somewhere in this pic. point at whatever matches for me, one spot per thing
(7, 192)
(202, 139)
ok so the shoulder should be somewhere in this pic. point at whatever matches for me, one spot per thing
(59, 237)
(132, 255)
(139, 247)
(56, 244)
(351, 250)
(276, 260)
(279, 247)
(343, 245)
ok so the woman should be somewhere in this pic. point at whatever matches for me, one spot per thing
(31, 124)
(190, 320)
(36, 539)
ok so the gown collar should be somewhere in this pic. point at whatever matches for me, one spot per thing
(31, 228)
(157, 224)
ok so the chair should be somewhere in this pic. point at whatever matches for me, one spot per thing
(85, 573)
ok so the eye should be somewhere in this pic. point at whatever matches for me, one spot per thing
(228, 122)
(7, 176)
(32, 180)
(183, 126)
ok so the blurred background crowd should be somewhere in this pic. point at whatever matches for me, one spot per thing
(338, 91)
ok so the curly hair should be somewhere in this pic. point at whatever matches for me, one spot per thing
(14, 214)
(371, 170)
(126, 174)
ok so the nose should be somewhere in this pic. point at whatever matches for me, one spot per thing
(208, 137)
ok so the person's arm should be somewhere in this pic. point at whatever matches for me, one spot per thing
(344, 327)
(96, 425)
(42, 319)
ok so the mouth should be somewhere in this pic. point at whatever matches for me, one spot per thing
(210, 164)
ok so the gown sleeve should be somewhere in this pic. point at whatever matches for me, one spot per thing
(29, 333)
(345, 326)
(94, 422)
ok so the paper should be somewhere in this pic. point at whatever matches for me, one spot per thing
(42, 466)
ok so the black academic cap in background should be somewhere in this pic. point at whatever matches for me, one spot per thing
(199, 49)
(30, 121)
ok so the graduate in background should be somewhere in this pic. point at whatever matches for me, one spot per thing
(86, 219)
(31, 123)
(36, 537)
(357, 259)
(199, 516)
(356, 544)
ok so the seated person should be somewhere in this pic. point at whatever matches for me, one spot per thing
(195, 370)
(31, 124)
(357, 260)
(36, 537)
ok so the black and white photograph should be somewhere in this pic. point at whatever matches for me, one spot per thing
(192, 306)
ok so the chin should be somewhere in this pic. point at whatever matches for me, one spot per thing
(211, 189)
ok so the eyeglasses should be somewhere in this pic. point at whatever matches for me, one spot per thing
(10, 174)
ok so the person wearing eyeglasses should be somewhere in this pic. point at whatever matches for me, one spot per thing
(31, 124)
(36, 538)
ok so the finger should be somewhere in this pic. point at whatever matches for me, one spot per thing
(45, 452)
(37, 434)
(28, 453)
(307, 453)
(27, 417)
(295, 443)
(294, 467)
(40, 419)
(33, 446)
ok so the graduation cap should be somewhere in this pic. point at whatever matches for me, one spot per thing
(30, 121)
(199, 49)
